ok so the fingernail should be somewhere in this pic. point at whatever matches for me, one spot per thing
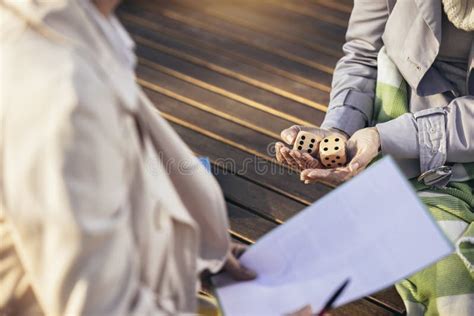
(306, 182)
(297, 154)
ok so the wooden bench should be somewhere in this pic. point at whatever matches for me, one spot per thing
(229, 76)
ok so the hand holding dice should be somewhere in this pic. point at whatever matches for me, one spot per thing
(308, 152)
(332, 148)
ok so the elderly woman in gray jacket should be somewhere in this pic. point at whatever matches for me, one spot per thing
(430, 45)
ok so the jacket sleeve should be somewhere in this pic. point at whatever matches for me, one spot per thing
(435, 136)
(353, 85)
(66, 196)
(198, 190)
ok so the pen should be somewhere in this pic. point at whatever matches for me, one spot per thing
(334, 297)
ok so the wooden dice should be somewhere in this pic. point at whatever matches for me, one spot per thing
(332, 151)
(306, 142)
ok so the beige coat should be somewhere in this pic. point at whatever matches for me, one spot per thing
(90, 223)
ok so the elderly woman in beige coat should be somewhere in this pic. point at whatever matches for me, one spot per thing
(103, 209)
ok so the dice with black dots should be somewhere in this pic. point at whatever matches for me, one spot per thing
(306, 142)
(332, 151)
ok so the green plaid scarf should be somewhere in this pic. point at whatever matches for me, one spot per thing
(446, 287)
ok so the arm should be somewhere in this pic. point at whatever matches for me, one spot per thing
(353, 86)
(435, 136)
(446, 134)
(66, 190)
(197, 189)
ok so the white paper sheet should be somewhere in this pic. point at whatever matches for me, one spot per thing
(373, 230)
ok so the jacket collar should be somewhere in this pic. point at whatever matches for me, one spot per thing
(69, 22)
(35, 10)
(430, 10)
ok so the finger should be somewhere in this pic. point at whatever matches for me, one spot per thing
(311, 162)
(298, 157)
(278, 155)
(351, 149)
(336, 174)
(332, 176)
(289, 135)
(284, 157)
(356, 154)
(238, 271)
(360, 161)
(356, 168)
(304, 176)
(305, 160)
(289, 160)
(238, 249)
(362, 155)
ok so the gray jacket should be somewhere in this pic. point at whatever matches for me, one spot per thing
(440, 128)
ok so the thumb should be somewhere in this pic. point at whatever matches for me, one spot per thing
(354, 165)
(360, 161)
(288, 135)
(238, 271)
(242, 273)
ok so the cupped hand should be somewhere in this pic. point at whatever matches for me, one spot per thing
(233, 266)
(297, 159)
(362, 148)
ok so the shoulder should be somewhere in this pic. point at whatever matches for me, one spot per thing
(45, 79)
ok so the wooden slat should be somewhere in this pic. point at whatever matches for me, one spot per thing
(158, 68)
(261, 200)
(237, 50)
(246, 19)
(233, 85)
(262, 121)
(254, 141)
(272, 45)
(251, 76)
(389, 298)
(343, 6)
(201, 38)
(314, 10)
(271, 15)
(361, 308)
(228, 66)
(247, 224)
